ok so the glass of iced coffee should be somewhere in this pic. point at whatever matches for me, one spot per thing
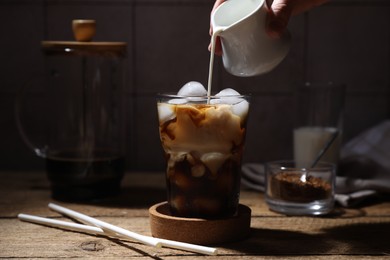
(203, 140)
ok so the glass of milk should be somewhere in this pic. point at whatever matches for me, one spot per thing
(318, 123)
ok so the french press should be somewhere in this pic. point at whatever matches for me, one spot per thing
(85, 133)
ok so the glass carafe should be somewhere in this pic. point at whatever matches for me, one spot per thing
(85, 133)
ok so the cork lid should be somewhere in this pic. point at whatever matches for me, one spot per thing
(84, 31)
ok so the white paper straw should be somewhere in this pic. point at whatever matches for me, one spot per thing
(188, 247)
(98, 231)
(61, 224)
(111, 229)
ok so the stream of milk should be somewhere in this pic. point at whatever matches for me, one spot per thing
(211, 65)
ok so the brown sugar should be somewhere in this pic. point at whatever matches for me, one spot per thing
(289, 186)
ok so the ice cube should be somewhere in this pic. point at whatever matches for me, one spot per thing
(228, 96)
(241, 109)
(214, 161)
(165, 112)
(177, 101)
(227, 92)
(192, 89)
(214, 101)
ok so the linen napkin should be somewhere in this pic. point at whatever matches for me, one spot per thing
(363, 172)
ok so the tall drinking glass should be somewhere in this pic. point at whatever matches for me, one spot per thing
(203, 140)
(319, 123)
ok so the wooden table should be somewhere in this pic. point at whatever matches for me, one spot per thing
(359, 233)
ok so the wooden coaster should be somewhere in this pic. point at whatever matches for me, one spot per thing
(196, 230)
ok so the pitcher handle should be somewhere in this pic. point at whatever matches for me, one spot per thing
(41, 152)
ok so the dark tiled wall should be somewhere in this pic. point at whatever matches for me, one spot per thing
(344, 41)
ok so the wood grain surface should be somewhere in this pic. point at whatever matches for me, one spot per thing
(359, 233)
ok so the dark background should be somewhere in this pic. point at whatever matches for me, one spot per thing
(345, 41)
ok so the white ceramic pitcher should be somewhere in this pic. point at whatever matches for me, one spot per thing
(247, 48)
